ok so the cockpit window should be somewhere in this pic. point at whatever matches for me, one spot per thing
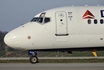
(46, 20)
(41, 19)
(42, 15)
(34, 19)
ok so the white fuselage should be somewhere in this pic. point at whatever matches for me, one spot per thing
(68, 28)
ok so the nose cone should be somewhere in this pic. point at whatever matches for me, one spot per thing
(9, 39)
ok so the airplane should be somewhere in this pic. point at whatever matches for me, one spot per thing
(70, 28)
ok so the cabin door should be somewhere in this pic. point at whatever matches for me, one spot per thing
(61, 24)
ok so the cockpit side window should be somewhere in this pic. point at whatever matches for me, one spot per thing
(46, 20)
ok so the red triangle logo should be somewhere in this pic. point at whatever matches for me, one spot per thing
(88, 15)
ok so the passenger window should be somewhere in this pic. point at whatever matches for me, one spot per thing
(101, 21)
(95, 21)
(89, 21)
(46, 20)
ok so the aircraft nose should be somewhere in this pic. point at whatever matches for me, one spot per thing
(9, 39)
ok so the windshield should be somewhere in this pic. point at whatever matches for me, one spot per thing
(37, 19)
(40, 19)
(34, 19)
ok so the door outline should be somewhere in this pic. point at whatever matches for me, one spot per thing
(62, 15)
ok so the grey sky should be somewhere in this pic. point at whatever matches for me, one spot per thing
(13, 13)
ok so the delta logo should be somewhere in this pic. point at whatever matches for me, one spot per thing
(88, 15)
